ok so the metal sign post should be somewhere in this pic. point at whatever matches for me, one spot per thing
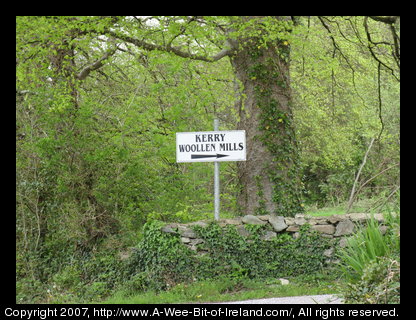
(212, 146)
(216, 181)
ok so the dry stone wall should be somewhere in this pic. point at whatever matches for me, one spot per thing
(337, 227)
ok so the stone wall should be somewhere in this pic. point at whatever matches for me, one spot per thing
(337, 227)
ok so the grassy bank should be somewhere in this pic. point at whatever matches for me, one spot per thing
(227, 289)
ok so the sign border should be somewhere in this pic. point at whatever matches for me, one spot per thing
(211, 160)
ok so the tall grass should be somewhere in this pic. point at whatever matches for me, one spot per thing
(369, 244)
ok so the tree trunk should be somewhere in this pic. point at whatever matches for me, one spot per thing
(270, 178)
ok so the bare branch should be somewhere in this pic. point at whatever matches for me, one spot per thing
(353, 194)
(370, 47)
(96, 65)
(380, 116)
(396, 40)
(375, 176)
(336, 47)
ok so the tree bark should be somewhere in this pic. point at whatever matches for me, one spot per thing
(270, 178)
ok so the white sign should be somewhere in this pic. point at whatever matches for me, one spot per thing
(211, 146)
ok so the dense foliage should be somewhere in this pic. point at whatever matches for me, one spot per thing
(379, 284)
(99, 99)
(371, 263)
(162, 261)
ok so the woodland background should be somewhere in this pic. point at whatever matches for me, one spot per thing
(99, 100)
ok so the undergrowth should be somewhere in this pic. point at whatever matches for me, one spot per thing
(161, 261)
(371, 263)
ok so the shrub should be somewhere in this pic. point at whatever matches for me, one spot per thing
(379, 283)
(225, 253)
(96, 291)
(162, 257)
(136, 283)
(68, 277)
(369, 244)
(29, 290)
(371, 263)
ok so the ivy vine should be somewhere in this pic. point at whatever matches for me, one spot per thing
(277, 130)
(161, 260)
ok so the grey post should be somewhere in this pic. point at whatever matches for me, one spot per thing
(216, 181)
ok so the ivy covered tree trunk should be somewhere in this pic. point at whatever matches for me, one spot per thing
(270, 178)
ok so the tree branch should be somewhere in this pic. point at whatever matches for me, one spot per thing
(353, 194)
(396, 41)
(385, 19)
(96, 65)
(380, 116)
(168, 48)
(371, 45)
(375, 176)
(336, 47)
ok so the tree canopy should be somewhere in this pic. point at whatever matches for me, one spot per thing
(99, 99)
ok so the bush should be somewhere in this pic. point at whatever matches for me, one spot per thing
(367, 245)
(137, 282)
(165, 261)
(371, 263)
(162, 257)
(68, 277)
(29, 290)
(96, 291)
(379, 283)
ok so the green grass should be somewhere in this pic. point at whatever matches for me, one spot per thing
(362, 205)
(226, 290)
(327, 211)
